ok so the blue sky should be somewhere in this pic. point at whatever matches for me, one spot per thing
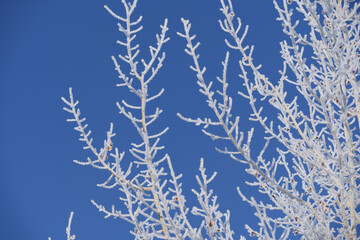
(47, 47)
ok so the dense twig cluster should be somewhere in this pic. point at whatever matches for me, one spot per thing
(152, 197)
(313, 179)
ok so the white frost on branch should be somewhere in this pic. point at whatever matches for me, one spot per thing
(151, 193)
(311, 181)
(69, 236)
(314, 180)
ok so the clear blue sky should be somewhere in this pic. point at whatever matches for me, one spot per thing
(46, 46)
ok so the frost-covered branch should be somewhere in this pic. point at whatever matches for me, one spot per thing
(153, 199)
(216, 223)
(69, 236)
(308, 166)
(317, 132)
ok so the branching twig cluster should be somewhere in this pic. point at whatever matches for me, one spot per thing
(153, 199)
(312, 181)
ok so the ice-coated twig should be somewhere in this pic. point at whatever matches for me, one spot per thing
(101, 155)
(68, 228)
(216, 223)
(69, 236)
